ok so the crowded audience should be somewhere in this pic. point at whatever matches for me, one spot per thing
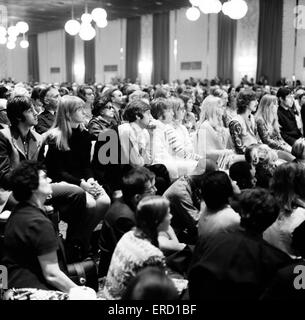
(189, 190)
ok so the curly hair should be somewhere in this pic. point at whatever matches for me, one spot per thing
(243, 100)
(24, 179)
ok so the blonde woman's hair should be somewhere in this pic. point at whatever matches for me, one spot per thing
(210, 108)
(62, 130)
(266, 113)
(177, 104)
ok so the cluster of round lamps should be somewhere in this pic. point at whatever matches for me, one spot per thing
(85, 29)
(235, 9)
(9, 36)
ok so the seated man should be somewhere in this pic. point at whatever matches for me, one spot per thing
(135, 141)
(239, 265)
(185, 198)
(18, 143)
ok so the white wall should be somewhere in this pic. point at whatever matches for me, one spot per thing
(110, 48)
(51, 51)
(192, 45)
(14, 63)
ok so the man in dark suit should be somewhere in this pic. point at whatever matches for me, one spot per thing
(120, 218)
(286, 115)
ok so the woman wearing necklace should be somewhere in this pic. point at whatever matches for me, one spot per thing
(243, 127)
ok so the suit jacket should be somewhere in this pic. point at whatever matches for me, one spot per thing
(288, 125)
(12, 151)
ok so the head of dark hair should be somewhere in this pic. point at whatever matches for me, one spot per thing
(36, 93)
(241, 173)
(24, 179)
(160, 93)
(216, 189)
(135, 108)
(258, 210)
(283, 92)
(134, 182)
(44, 92)
(248, 152)
(15, 108)
(151, 283)
(3, 92)
(81, 91)
(243, 100)
(158, 107)
(99, 104)
(151, 211)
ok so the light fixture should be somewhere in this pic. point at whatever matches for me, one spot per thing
(193, 13)
(235, 9)
(85, 29)
(3, 40)
(12, 31)
(24, 43)
(11, 45)
(22, 27)
(210, 6)
(72, 27)
(86, 32)
(3, 31)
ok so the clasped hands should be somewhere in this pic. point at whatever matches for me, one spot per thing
(91, 186)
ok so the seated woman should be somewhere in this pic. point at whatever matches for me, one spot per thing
(87, 94)
(30, 240)
(102, 126)
(243, 127)
(287, 185)
(68, 156)
(139, 247)
(268, 127)
(213, 139)
(230, 109)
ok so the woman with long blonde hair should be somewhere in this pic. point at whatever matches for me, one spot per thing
(268, 126)
(212, 138)
(68, 156)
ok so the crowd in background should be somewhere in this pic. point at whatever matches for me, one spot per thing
(200, 180)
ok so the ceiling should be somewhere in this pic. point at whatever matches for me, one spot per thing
(47, 15)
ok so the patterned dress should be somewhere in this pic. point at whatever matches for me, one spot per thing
(132, 253)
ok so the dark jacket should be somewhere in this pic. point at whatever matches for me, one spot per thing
(118, 220)
(12, 151)
(288, 125)
(45, 121)
(72, 165)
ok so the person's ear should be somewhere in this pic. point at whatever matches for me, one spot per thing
(137, 198)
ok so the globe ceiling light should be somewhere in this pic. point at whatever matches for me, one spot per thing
(12, 31)
(195, 2)
(99, 14)
(210, 6)
(22, 27)
(102, 23)
(72, 27)
(3, 31)
(12, 38)
(3, 39)
(235, 9)
(226, 8)
(24, 44)
(86, 17)
(11, 45)
(87, 32)
(192, 14)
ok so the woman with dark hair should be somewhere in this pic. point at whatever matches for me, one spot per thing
(288, 186)
(139, 247)
(243, 127)
(151, 283)
(30, 240)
